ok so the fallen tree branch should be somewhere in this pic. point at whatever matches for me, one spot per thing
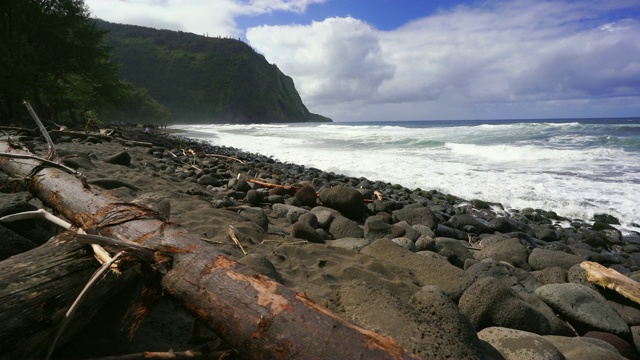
(611, 279)
(272, 186)
(255, 315)
(52, 154)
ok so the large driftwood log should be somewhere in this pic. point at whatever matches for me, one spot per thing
(36, 289)
(257, 316)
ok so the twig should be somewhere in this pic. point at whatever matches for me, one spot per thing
(227, 157)
(284, 242)
(135, 249)
(269, 185)
(235, 239)
(211, 241)
(43, 160)
(76, 303)
(99, 252)
(51, 155)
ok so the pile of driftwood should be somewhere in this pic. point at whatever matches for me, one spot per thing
(256, 316)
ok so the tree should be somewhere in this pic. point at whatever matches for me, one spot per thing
(52, 53)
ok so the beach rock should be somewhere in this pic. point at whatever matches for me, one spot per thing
(438, 308)
(373, 307)
(324, 215)
(552, 275)
(342, 227)
(577, 275)
(488, 302)
(448, 232)
(405, 243)
(627, 309)
(425, 242)
(253, 197)
(558, 326)
(210, 180)
(516, 278)
(304, 231)
(507, 225)
(511, 251)
(78, 162)
(376, 227)
(307, 195)
(257, 215)
(463, 221)
(454, 249)
(540, 259)
(583, 307)
(276, 199)
(429, 270)
(290, 212)
(416, 216)
(122, 158)
(576, 348)
(620, 345)
(520, 345)
(409, 232)
(310, 219)
(110, 184)
(348, 201)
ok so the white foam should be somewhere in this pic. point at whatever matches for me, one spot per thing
(471, 163)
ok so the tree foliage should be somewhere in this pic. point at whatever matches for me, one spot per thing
(205, 79)
(52, 54)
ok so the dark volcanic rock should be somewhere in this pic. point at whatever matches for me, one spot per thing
(122, 158)
(488, 302)
(543, 258)
(510, 250)
(416, 216)
(584, 308)
(342, 227)
(348, 201)
(307, 195)
(306, 232)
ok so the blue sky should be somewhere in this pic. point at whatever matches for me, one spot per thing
(359, 60)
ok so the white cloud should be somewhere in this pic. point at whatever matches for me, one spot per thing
(213, 17)
(520, 58)
(336, 60)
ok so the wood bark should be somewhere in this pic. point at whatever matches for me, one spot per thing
(36, 289)
(259, 317)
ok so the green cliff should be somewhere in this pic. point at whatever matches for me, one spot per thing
(205, 79)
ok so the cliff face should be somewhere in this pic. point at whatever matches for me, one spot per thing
(203, 79)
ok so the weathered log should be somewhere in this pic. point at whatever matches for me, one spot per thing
(258, 317)
(36, 289)
(611, 279)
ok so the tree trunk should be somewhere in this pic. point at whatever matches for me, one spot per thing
(36, 289)
(259, 317)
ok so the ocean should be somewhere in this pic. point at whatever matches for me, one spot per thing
(575, 167)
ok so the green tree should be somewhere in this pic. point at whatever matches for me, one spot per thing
(52, 54)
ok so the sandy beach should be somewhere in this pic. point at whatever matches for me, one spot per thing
(445, 277)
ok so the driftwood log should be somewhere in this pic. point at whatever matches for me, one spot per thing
(258, 317)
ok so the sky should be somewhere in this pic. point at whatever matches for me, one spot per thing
(384, 60)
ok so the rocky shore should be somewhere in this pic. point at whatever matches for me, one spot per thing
(447, 278)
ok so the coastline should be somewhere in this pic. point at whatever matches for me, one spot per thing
(443, 276)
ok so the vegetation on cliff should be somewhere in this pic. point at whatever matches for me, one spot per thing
(54, 55)
(201, 79)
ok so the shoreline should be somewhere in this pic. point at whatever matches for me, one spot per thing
(443, 276)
